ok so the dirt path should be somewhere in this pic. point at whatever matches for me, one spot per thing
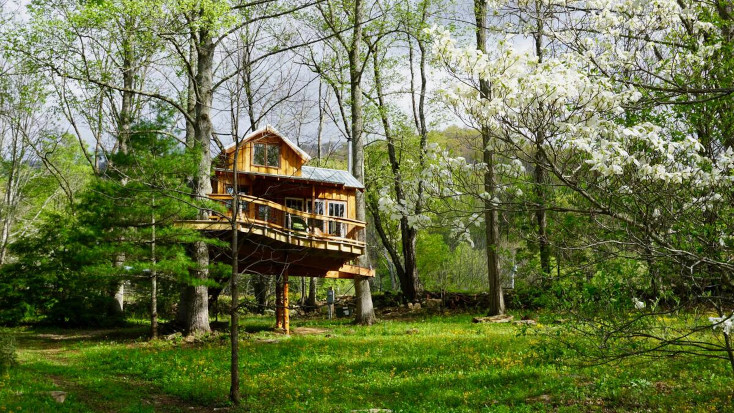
(129, 394)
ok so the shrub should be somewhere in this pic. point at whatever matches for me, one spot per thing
(8, 358)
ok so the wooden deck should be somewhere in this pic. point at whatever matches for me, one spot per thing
(278, 237)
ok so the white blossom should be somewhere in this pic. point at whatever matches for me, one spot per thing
(725, 323)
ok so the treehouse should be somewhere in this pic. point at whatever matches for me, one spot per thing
(293, 219)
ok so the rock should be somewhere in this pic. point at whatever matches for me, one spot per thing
(58, 396)
(493, 319)
(173, 336)
(416, 306)
(526, 322)
(410, 306)
(543, 398)
(372, 411)
(412, 331)
(433, 303)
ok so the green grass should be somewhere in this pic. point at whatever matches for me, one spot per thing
(423, 364)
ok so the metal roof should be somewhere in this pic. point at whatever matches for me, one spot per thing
(334, 176)
(312, 174)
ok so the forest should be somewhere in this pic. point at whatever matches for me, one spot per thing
(366, 205)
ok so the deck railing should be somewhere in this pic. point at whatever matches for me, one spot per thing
(272, 214)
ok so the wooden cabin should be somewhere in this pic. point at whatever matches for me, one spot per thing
(293, 220)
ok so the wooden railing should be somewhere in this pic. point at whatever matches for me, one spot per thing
(272, 214)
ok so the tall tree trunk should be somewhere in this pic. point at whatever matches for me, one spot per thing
(182, 312)
(153, 280)
(496, 299)
(123, 138)
(234, 385)
(191, 96)
(196, 296)
(260, 282)
(320, 130)
(539, 175)
(409, 281)
(365, 313)
(9, 207)
(128, 79)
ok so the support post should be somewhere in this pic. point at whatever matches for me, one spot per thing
(278, 302)
(286, 312)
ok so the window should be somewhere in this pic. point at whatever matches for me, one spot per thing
(337, 209)
(258, 155)
(263, 213)
(294, 203)
(318, 209)
(296, 222)
(266, 154)
(273, 155)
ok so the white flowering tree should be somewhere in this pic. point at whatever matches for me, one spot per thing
(634, 109)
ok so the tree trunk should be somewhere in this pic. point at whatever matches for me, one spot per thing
(311, 300)
(539, 175)
(409, 281)
(234, 385)
(365, 313)
(119, 304)
(540, 217)
(496, 299)
(320, 129)
(191, 97)
(303, 292)
(197, 311)
(153, 281)
(261, 289)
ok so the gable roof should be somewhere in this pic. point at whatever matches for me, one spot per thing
(269, 129)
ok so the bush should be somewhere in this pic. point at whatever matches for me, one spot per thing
(8, 358)
(94, 311)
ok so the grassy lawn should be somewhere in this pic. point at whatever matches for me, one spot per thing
(415, 365)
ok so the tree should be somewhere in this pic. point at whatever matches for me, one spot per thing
(496, 298)
(626, 157)
(345, 33)
(407, 189)
(180, 35)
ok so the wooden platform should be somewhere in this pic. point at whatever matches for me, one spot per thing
(271, 243)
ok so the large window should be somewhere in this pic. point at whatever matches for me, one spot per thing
(266, 154)
(337, 209)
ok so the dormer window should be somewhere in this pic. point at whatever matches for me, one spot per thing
(266, 154)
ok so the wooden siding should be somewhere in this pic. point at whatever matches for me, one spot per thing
(276, 190)
(290, 160)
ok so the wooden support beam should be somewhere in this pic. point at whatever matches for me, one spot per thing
(278, 303)
(286, 311)
(349, 272)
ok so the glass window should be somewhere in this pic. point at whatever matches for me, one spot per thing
(273, 155)
(294, 203)
(337, 209)
(318, 207)
(263, 211)
(258, 155)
